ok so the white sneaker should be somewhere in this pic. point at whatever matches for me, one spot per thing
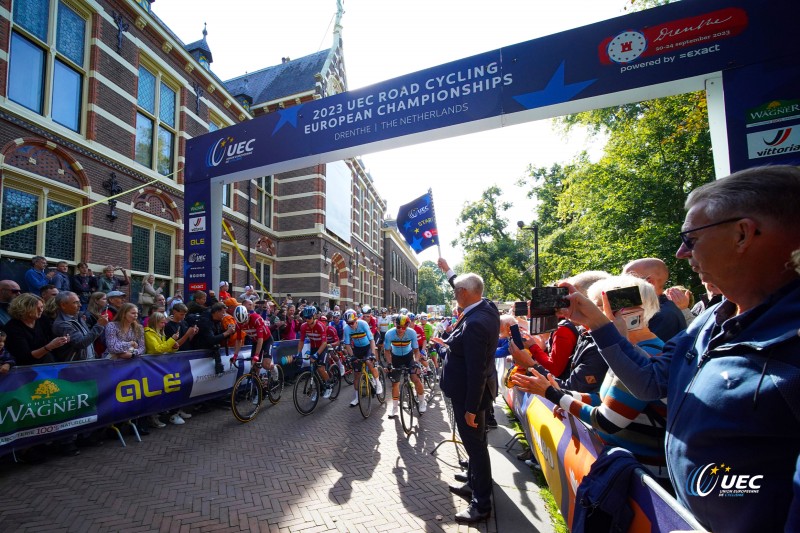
(156, 422)
(395, 409)
(255, 399)
(378, 387)
(341, 369)
(314, 396)
(355, 401)
(176, 419)
(423, 405)
(183, 414)
(327, 393)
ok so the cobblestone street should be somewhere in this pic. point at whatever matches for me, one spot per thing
(330, 471)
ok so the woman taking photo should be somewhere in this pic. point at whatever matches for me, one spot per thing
(157, 341)
(149, 293)
(29, 341)
(124, 335)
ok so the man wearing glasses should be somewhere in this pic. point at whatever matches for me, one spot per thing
(9, 289)
(68, 323)
(732, 379)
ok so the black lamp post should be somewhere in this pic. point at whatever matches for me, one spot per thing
(535, 229)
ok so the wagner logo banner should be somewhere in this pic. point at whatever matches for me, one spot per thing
(46, 406)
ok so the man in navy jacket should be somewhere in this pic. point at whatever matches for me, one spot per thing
(469, 379)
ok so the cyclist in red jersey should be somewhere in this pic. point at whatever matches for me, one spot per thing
(371, 321)
(317, 336)
(258, 330)
(333, 342)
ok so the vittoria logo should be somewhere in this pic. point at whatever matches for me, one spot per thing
(774, 142)
(721, 478)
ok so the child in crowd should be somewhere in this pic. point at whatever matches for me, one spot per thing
(6, 360)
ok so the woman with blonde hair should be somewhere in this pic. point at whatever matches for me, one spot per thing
(29, 341)
(157, 341)
(124, 335)
(147, 296)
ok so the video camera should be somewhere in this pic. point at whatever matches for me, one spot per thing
(545, 301)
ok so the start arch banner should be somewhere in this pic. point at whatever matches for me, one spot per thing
(737, 50)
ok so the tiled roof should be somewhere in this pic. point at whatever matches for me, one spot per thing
(280, 81)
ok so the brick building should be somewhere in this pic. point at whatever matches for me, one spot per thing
(401, 265)
(99, 98)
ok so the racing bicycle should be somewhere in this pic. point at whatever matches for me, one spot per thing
(251, 387)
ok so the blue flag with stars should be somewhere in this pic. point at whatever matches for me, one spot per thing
(416, 222)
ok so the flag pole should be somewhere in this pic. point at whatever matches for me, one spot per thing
(433, 208)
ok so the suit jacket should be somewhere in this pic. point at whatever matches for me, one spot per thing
(469, 375)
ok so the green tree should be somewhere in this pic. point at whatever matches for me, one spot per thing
(491, 251)
(432, 286)
(630, 203)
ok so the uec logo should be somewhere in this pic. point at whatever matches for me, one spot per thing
(704, 479)
(227, 147)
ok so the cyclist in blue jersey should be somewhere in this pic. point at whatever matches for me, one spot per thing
(401, 349)
(360, 345)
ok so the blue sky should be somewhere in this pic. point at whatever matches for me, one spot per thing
(383, 40)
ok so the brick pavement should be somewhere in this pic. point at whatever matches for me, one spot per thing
(330, 471)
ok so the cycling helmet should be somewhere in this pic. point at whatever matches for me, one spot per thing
(336, 314)
(423, 315)
(401, 321)
(403, 311)
(323, 318)
(241, 314)
(366, 310)
(350, 316)
(308, 312)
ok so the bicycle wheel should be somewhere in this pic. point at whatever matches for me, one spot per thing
(246, 398)
(275, 386)
(349, 375)
(364, 395)
(335, 381)
(306, 393)
(382, 380)
(406, 407)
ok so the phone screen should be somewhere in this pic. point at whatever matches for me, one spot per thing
(516, 336)
(624, 298)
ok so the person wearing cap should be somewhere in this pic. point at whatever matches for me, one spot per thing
(249, 293)
(115, 300)
(236, 340)
(223, 291)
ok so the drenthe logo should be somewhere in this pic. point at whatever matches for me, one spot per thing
(704, 479)
(226, 149)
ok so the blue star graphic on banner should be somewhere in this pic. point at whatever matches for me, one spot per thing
(288, 116)
(407, 225)
(555, 92)
(48, 371)
(416, 244)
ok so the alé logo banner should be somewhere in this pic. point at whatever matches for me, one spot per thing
(50, 404)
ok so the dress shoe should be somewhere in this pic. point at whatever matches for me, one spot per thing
(461, 490)
(471, 515)
(463, 478)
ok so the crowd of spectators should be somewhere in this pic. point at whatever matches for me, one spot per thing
(705, 391)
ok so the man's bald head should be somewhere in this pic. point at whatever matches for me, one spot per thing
(651, 269)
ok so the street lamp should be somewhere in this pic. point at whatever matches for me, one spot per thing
(535, 229)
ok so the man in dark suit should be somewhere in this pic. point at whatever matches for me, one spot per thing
(469, 380)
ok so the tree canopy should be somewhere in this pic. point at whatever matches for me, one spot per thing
(599, 215)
